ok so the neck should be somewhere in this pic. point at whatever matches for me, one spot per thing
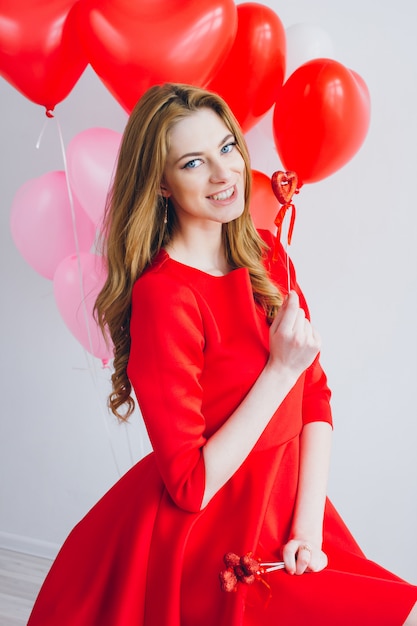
(203, 250)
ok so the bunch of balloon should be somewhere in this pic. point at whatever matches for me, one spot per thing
(320, 119)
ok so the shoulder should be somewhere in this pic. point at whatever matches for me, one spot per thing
(160, 274)
(162, 289)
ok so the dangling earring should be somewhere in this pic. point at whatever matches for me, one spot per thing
(166, 211)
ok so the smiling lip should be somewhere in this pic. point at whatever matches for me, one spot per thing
(224, 196)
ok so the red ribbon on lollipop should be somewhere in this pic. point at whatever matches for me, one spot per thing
(284, 186)
(245, 569)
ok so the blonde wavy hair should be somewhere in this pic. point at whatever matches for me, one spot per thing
(134, 229)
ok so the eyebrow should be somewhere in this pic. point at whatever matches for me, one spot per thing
(197, 154)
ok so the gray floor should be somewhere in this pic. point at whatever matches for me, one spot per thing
(21, 576)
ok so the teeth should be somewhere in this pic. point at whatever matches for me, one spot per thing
(224, 195)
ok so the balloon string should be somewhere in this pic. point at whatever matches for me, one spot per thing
(74, 226)
(91, 365)
(76, 239)
(38, 143)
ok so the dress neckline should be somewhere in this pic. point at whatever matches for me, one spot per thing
(164, 256)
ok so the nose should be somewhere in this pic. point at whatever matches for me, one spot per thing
(219, 172)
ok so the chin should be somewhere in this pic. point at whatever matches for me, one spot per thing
(236, 215)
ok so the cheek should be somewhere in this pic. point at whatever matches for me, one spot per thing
(186, 187)
(193, 182)
(239, 164)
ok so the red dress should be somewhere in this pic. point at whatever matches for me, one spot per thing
(145, 555)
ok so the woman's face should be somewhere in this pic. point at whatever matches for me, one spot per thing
(204, 175)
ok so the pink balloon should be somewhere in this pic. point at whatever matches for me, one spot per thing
(42, 223)
(77, 282)
(91, 157)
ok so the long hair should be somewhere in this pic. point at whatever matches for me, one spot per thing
(134, 228)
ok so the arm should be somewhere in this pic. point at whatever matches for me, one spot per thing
(293, 346)
(166, 361)
(307, 527)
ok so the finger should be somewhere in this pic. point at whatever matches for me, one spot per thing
(304, 553)
(305, 333)
(277, 319)
(289, 312)
(318, 562)
(301, 323)
(288, 555)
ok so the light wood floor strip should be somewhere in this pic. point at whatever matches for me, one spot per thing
(21, 576)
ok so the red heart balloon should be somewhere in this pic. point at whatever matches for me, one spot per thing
(133, 45)
(320, 119)
(252, 75)
(40, 54)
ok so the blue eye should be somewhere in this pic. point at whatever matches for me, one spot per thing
(192, 164)
(228, 147)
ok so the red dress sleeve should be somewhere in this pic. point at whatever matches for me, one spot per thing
(165, 364)
(316, 396)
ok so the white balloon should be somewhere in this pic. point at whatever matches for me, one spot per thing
(261, 145)
(304, 43)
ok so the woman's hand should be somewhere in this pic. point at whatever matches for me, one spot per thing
(294, 344)
(302, 556)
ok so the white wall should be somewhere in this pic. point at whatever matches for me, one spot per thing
(355, 251)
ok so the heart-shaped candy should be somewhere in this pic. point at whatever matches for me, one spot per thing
(284, 185)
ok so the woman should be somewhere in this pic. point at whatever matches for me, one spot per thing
(224, 365)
